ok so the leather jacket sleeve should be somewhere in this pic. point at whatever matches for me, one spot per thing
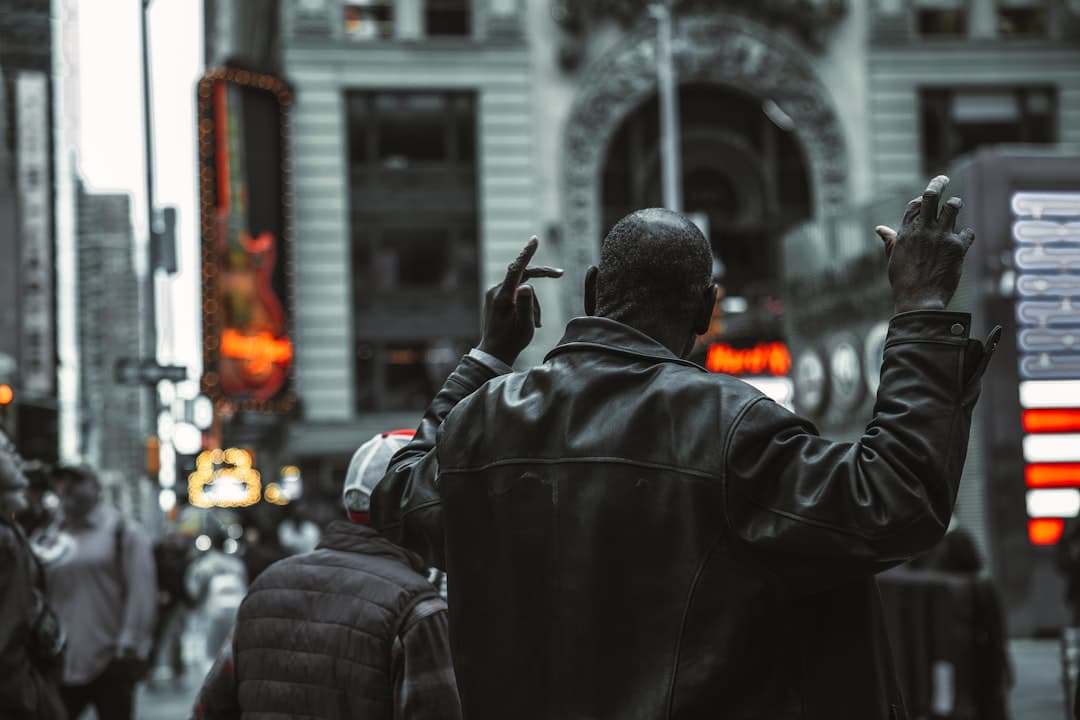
(405, 506)
(823, 512)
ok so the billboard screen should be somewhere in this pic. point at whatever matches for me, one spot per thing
(246, 241)
(1046, 255)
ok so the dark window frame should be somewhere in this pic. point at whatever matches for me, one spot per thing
(920, 13)
(938, 99)
(377, 330)
(446, 8)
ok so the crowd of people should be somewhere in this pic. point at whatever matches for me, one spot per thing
(614, 533)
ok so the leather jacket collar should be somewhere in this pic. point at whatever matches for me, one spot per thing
(600, 333)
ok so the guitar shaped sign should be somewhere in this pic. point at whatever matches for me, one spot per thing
(249, 351)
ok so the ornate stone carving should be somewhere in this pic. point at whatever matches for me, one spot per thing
(722, 49)
(808, 20)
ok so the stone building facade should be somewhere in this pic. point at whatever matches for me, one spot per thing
(110, 435)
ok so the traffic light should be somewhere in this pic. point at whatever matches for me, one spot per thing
(7, 395)
(153, 456)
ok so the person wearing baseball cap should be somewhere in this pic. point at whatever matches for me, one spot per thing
(351, 629)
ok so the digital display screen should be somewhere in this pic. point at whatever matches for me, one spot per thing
(1046, 254)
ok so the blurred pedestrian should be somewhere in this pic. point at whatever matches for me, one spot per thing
(42, 520)
(172, 555)
(31, 640)
(261, 550)
(629, 536)
(297, 533)
(350, 630)
(105, 593)
(216, 582)
(958, 555)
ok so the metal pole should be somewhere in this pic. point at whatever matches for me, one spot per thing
(148, 332)
(670, 140)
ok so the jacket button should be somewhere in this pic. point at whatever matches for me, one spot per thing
(957, 329)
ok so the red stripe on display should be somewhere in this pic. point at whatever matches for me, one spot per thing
(1043, 475)
(1045, 531)
(1052, 420)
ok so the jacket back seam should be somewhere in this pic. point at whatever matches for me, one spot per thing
(682, 625)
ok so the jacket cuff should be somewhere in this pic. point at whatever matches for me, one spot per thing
(929, 326)
(490, 361)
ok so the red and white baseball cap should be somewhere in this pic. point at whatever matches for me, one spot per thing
(366, 469)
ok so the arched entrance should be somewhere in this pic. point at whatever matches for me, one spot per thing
(752, 67)
(745, 180)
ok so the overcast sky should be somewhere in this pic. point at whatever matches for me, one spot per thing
(111, 136)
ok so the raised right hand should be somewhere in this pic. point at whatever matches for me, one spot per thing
(511, 310)
(926, 258)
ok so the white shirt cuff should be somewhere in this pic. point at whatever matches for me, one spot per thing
(492, 363)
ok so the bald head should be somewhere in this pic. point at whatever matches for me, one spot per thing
(654, 267)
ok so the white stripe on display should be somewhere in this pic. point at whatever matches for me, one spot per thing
(1057, 447)
(1058, 503)
(1050, 393)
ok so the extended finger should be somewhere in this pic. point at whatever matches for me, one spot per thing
(542, 271)
(931, 197)
(516, 269)
(911, 211)
(949, 213)
(967, 236)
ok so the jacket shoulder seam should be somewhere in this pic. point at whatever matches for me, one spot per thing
(725, 451)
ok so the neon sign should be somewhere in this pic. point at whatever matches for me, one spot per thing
(769, 358)
(246, 239)
(1046, 234)
(224, 478)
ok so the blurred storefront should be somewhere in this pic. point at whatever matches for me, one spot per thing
(28, 317)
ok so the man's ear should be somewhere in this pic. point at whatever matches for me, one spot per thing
(591, 276)
(705, 312)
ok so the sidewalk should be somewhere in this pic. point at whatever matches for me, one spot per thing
(1038, 693)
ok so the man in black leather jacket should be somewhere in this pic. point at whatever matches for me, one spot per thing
(629, 536)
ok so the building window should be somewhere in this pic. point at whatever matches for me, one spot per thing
(448, 17)
(958, 122)
(369, 19)
(1021, 18)
(415, 251)
(941, 18)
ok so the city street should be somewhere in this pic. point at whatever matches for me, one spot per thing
(1036, 696)
(619, 313)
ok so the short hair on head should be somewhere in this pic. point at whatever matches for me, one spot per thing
(654, 265)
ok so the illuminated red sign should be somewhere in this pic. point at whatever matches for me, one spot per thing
(1045, 531)
(1049, 475)
(1052, 420)
(247, 279)
(768, 358)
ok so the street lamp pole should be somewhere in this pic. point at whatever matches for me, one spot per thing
(670, 141)
(148, 331)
